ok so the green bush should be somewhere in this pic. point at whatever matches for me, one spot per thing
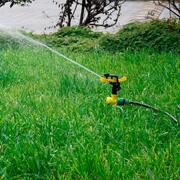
(75, 38)
(156, 35)
(75, 31)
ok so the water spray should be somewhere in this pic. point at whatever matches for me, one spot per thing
(19, 35)
(114, 100)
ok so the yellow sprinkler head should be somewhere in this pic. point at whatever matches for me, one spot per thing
(123, 79)
(111, 78)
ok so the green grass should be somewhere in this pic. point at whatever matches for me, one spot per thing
(54, 123)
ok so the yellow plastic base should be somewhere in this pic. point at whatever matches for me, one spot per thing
(112, 100)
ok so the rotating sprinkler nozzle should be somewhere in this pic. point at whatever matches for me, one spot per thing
(115, 81)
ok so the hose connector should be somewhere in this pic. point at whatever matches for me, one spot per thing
(122, 102)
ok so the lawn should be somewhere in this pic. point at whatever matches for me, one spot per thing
(54, 123)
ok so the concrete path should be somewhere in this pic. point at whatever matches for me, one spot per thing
(43, 13)
(149, 11)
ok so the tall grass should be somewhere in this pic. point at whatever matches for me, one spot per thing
(54, 123)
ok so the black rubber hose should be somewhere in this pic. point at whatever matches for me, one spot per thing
(153, 108)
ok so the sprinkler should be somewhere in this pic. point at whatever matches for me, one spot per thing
(114, 100)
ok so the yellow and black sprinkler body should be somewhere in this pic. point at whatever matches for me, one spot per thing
(115, 81)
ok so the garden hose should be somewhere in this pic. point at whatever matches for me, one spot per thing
(115, 81)
(122, 102)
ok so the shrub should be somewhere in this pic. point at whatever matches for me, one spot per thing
(156, 35)
(76, 31)
(75, 38)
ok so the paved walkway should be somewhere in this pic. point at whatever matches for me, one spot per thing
(43, 13)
